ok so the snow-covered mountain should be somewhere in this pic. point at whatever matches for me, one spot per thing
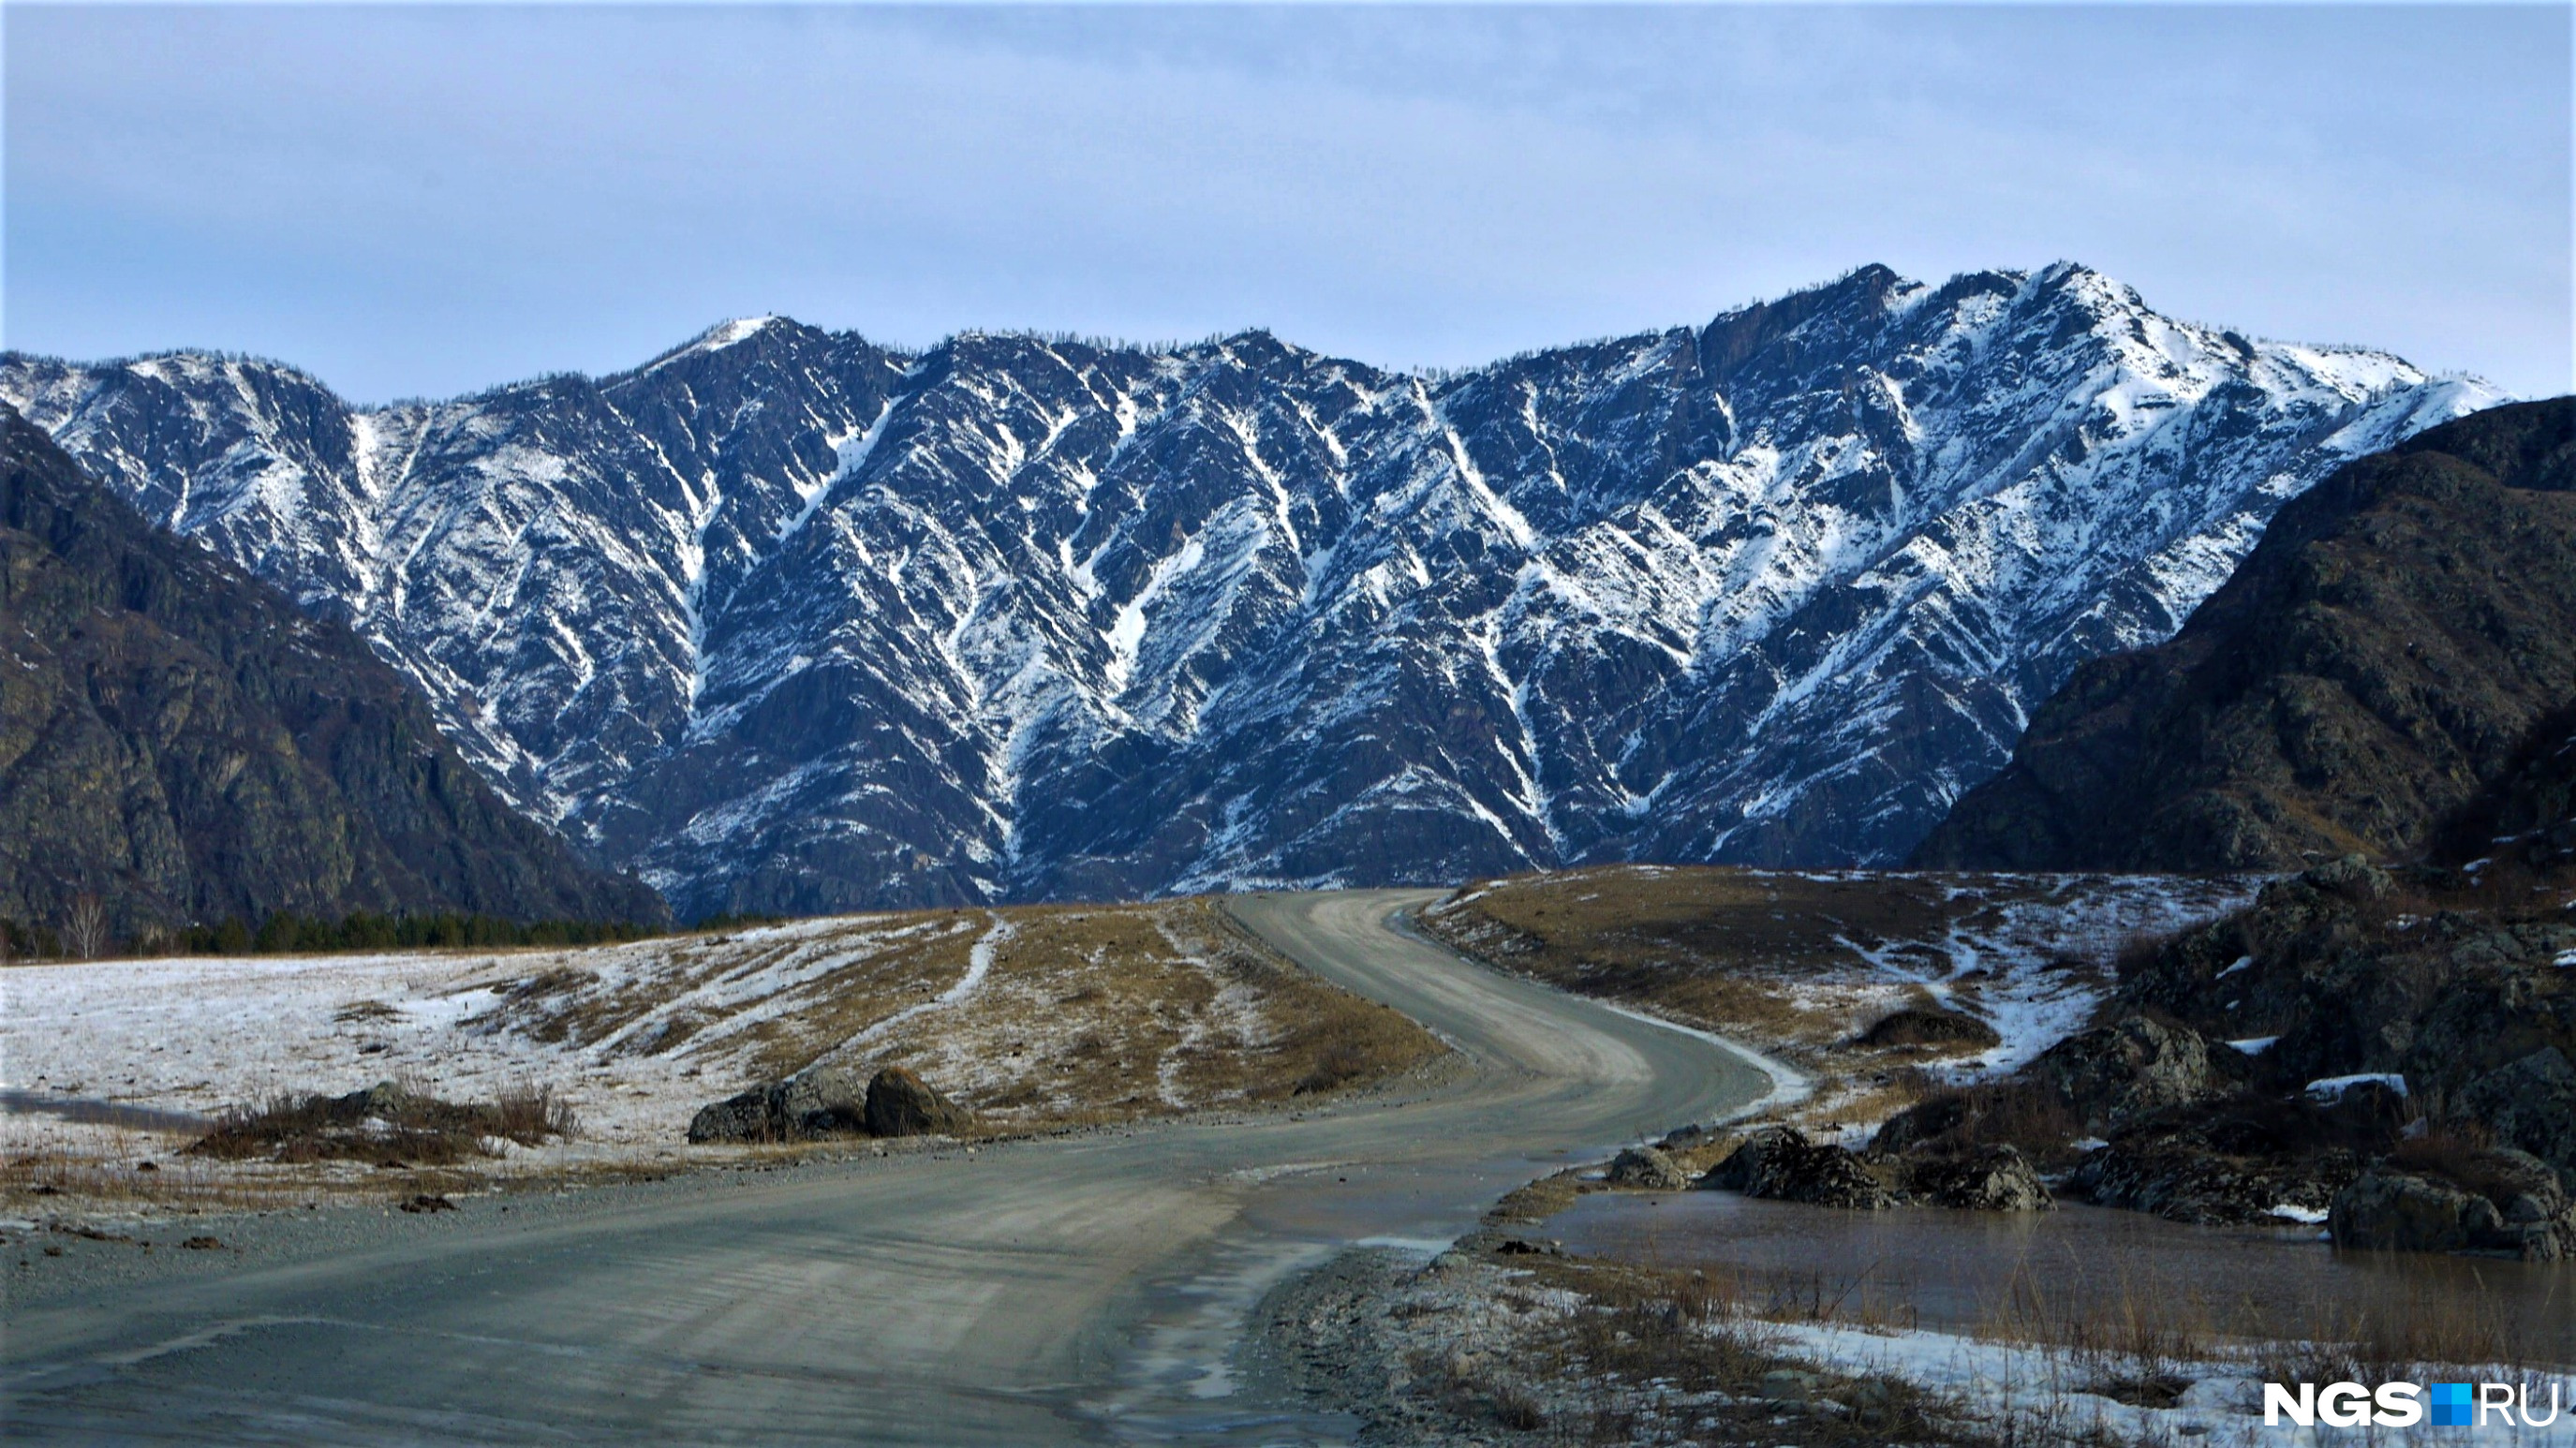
(789, 620)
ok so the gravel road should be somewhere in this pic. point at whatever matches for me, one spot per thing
(1078, 1289)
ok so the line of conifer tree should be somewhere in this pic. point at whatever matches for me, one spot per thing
(286, 932)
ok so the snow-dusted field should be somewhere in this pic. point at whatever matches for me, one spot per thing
(1028, 1015)
(201, 1034)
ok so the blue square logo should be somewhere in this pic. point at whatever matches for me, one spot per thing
(2454, 1405)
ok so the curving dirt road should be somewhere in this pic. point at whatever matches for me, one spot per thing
(1077, 1289)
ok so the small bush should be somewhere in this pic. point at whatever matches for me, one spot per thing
(529, 1114)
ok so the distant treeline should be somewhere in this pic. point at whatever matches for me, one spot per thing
(286, 932)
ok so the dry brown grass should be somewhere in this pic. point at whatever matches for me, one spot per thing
(1094, 1013)
(905, 959)
(49, 1175)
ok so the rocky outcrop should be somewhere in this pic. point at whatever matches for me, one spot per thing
(900, 1103)
(2516, 1207)
(179, 742)
(2530, 1104)
(822, 1102)
(1980, 1179)
(2183, 1175)
(2396, 645)
(1783, 1165)
(2116, 1073)
(1647, 1168)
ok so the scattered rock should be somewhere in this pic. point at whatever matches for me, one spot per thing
(1982, 1179)
(1783, 1165)
(900, 1103)
(427, 1203)
(203, 1244)
(1783, 1386)
(1648, 1168)
(1685, 1138)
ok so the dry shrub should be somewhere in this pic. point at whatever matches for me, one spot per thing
(2409, 1329)
(2458, 1150)
(2000, 1113)
(391, 1123)
(2138, 953)
(529, 1114)
(2142, 1336)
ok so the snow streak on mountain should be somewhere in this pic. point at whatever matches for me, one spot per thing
(791, 621)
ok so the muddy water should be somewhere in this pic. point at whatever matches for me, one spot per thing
(1940, 1269)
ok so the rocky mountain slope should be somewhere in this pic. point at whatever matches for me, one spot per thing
(793, 621)
(2398, 652)
(181, 742)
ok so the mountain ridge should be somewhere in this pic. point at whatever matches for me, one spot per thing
(181, 742)
(791, 620)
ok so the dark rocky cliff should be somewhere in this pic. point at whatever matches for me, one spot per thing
(179, 740)
(2388, 674)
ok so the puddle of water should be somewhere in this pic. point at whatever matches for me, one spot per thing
(1178, 1381)
(1941, 1269)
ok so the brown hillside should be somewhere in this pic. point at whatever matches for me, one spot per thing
(2398, 650)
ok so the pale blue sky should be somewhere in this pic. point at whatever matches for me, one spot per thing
(426, 200)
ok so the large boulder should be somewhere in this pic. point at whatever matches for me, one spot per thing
(2501, 1202)
(900, 1103)
(1981, 1179)
(821, 1102)
(2353, 877)
(2136, 1065)
(1783, 1165)
(1648, 1168)
(736, 1118)
(824, 1101)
